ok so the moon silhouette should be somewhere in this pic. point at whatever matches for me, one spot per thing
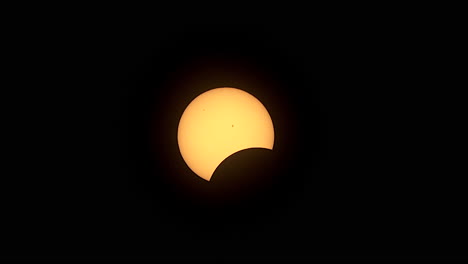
(219, 123)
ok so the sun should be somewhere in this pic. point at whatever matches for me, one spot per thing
(219, 123)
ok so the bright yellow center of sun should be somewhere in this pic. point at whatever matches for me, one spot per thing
(219, 123)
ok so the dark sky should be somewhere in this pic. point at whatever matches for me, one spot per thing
(100, 175)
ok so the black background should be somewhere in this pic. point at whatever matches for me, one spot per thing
(99, 172)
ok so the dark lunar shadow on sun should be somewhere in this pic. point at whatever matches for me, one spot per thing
(243, 191)
(243, 176)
